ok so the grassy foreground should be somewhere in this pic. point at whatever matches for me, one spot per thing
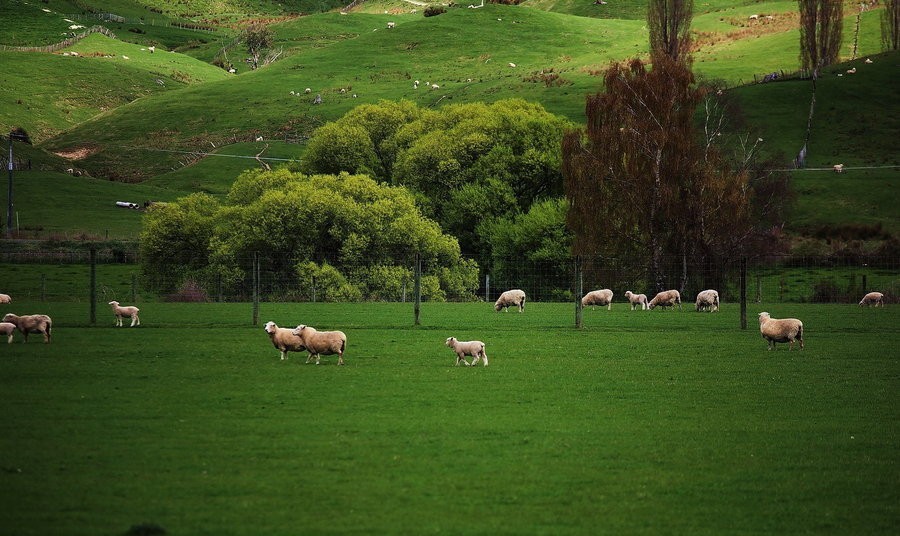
(656, 422)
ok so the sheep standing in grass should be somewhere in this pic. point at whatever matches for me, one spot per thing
(130, 311)
(509, 298)
(598, 297)
(322, 342)
(872, 298)
(464, 348)
(666, 298)
(780, 330)
(708, 300)
(31, 324)
(4, 298)
(636, 299)
(7, 328)
(284, 339)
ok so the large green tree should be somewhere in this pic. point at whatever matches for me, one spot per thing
(355, 236)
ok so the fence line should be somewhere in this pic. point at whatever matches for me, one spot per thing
(64, 43)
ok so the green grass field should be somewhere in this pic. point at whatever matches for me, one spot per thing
(640, 423)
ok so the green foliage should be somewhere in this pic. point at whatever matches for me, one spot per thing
(335, 228)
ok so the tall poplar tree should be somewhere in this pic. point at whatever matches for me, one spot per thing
(669, 24)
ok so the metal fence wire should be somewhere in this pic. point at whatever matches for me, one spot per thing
(64, 274)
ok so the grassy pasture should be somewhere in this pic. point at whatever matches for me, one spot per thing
(639, 423)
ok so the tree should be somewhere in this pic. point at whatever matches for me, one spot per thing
(890, 25)
(669, 23)
(643, 184)
(258, 38)
(349, 232)
(821, 26)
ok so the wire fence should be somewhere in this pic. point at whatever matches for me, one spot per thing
(115, 272)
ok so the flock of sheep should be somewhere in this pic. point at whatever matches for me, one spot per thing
(319, 343)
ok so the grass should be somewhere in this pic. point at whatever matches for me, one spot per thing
(639, 423)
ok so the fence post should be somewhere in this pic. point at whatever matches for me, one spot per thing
(417, 288)
(93, 285)
(743, 292)
(865, 285)
(487, 288)
(43, 286)
(403, 296)
(758, 289)
(255, 288)
(579, 286)
(133, 287)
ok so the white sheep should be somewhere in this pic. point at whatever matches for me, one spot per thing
(435, 86)
(780, 330)
(708, 300)
(636, 299)
(872, 298)
(511, 64)
(308, 90)
(152, 49)
(129, 311)
(464, 348)
(511, 297)
(838, 168)
(284, 339)
(322, 342)
(4, 298)
(391, 25)
(851, 71)
(7, 328)
(31, 324)
(666, 298)
(598, 297)
(753, 17)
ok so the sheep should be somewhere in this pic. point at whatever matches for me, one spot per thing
(510, 297)
(435, 86)
(851, 71)
(838, 168)
(868, 60)
(872, 298)
(129, 311)
(636, 299)
(31, 324)
(598, 297)
(391, 25)
(666, 298)
(7, 328)
(4, 298)
(152, 49)
(708, 300)
(284, 339)
(780, 330)
(322, 342)
(308, 90)
(753, 17)
(464, 348)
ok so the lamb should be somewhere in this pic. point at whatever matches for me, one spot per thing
(780, 330)
(31, 324)
(598, 297)
(872, 298)
(708, 300)
(7, 328)
(839, 168)
(636, 299)
(284, 339)
(511, 297)
(322, 342)
(464, 348)
(666, 298)
(129, 311)
(4, 298)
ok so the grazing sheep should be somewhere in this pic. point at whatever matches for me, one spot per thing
(851, 71)
(753, 17)
(872, 298)
(510, 297)
(4, 298)
(839, 168)
(666, 298)
(322, 342)
(708, 300)
(636, 299)
(284, 339)
(129, 311)
(511, 64)
(307, 90)
(8, 328)
(391, 25)
(598, 297)
(780, 330)
(464, 348)
(435, 86)
(31, 324)
(868, 60)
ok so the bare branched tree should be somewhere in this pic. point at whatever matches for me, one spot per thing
(890, 25)
(821, 24)
(258, 38)
(669, 22)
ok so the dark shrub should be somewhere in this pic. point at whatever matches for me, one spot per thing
(431, 11)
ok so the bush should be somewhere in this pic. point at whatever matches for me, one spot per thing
(431, 11)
